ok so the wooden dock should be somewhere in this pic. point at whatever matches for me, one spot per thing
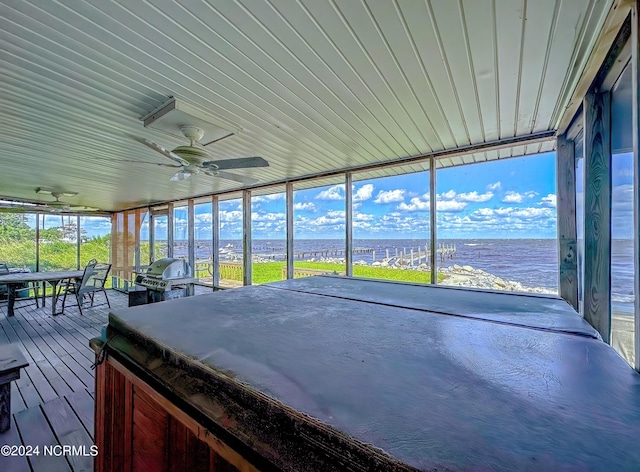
(396, 254)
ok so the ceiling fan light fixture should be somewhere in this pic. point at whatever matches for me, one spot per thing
(180, 175)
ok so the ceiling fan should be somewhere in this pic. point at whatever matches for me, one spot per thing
(193, 159)
(59, 206)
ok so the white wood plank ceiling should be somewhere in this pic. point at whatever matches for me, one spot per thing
(314, 85)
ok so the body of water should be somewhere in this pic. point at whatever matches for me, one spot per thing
(532, 262)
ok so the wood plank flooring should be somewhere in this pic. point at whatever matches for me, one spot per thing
(52, 404)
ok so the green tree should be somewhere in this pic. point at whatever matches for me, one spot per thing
(58, 249)
(14, 227)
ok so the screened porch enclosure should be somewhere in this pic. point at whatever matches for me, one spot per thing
(444, 210)
(315, 226)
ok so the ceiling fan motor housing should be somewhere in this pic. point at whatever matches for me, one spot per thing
(193, 133)
(192, 154)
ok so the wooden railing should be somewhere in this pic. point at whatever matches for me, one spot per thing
(203, 269)
(298, 272)
(228, 270)
(231, 273)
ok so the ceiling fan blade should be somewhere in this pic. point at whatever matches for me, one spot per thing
(135, 161)
(237, 163)
(243, 179)
(165, 165)
(57, 208)
(47, 191)
(156, 147)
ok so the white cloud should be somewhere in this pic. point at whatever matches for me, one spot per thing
(450, 195)
(364, 225)
(269, 229)
(622, 211)
(511, 213)
(307, 206)
(234, 215)
(475, 197)
(515, 197)
(390, 196)
(335, 192)
(203, 218)
(326, 221)
(548, 201)
(407, 223)
(335, 213)
(267, 216)
(483, 213)
(416, 204)
(512, 197)
(529, 213)
(626, 172)
(363, 217)
(452, 202)
(499, 221)
(363, 193)
(494, 187)
(622, 201)
(503, 211)
(268, 198)
(450, 206)
(446, 202)
(230, 205)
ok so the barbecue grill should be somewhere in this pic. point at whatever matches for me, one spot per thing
(165, 279)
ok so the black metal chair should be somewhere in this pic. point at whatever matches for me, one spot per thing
(92, 281)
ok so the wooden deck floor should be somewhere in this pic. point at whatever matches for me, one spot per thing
(53, 401)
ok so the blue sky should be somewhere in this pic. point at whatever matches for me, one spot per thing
(513, 198)
(622, 196)
(510, 198)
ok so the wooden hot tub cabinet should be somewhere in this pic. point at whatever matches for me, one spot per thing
(140, 429)
(158, 412)
(338, 374)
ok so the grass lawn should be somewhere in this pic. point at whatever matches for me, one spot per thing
(264, 272)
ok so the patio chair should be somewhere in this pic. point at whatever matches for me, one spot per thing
(22, 293)
(92, 281)
(4, 289)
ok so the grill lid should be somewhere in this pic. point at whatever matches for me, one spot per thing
(169, 268)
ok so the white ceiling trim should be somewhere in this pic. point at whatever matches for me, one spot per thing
(314, 85)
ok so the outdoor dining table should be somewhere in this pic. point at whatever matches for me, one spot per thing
(15, 282)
